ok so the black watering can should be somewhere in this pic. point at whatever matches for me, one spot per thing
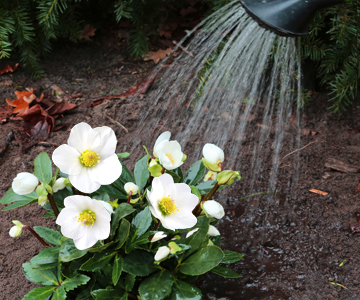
(286, 17)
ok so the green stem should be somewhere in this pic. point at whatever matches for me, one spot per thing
(212, 192)
(53, 205)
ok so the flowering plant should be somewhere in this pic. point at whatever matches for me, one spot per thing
(145, 235)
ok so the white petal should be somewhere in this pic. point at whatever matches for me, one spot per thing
(213, 231)
(59, 184)
(106, 171)
(24, 183)
(158, 236)
(83, 137)
(70, 227)
(161, 253)
(108, 142)
(66, 158)
(87, 240)
(179, 221)
(107, 206)
(214, 209)
(131, 187)
(191, 232)
(213, 154)
(160, 142)
(83, 182)
(78, 202)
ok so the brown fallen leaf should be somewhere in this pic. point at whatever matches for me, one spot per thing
(22, 102)
(5, 112)
(9, 68)
(318, 192)
(158, 55)
(87, 32)
(58, 90)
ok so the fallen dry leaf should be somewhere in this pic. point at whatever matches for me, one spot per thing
(158, 55)
(5, 112)
(9, 68)
(58, 90)
(22, 102)
(318, 192)
(87, 32)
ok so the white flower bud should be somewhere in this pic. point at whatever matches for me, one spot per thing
(59, 184)
(16, 231)
(158, 236)
(191, 232)
(214, 209)
(213, 231)
(42, 200)
(24, 183)
(213, 154)
(107, 206)
(152, 163)
(162, 253)
(131, 187)
(160, 142)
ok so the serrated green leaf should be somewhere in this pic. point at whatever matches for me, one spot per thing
(73, 283)
(122, 211)
(40, 293)
(44, 277)
(141, 172)
(59, 196)
(156, 287)
(141, 222)
(59, 294)
(117, 268)
(48, 234)
(69, 252)
(139, 263)
(112, 191)
(184, 291)
(49, 214)
(47, 256)
(18, 204)
(129, 282)
(97, 262)
(100, 248)
(206, 186)
(231, 257)
(43, 167)
(11, 196)
(122, 233)
(202, 261)
(107, 294)
(195, 173)
(225, 272)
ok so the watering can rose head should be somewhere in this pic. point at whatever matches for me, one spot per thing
(213, 157)
(89, 157)
(172, 203)
(24, 183)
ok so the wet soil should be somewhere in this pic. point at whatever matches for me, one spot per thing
(294, 241)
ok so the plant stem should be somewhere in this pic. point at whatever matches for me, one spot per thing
(36, 235)
(129, 198)
(53, 205)
(212, 192)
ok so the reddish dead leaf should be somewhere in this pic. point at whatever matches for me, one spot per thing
(60, 108)
(22, 102)
(355, 228)
(5, 112)
(27, 95)
(305, 131)
(167, 30)
(158, 55)
(318, 192)
(313, 132)
(9, 68)
(96, 102)
(87, 32)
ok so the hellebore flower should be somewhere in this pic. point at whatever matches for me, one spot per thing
(59, 184)
(213, 157)
(160, 142)
(84, 220)
(172, 203)
(171, 156)
(162, 253)
(158, 236)
(213, 231)
(89, 157)
(24, 183)
(213, 209)
(16, 230)
(131, 187)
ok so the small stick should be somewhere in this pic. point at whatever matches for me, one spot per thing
(36, 235)
(183, 49)
(6, 143)
(116, 122)
(297, 150)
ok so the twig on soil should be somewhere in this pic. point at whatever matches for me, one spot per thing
(183, 49)
(6, 143)
(297, 150)
(117, 123)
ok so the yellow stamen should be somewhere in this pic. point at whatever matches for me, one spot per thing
(89, 158)
(167, 206)
(171, 157)
(87, 217)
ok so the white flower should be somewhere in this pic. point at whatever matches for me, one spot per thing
(213, 154)
(160, 142)
(191, 232)
(131, 187)
(84, 220)
(172, 203)
(213, 231)
(16, 230)
(158, 236)
(162, 253)
(107, 206)
(89, 157)
(214, 209)
(59, 184)
(24, 183)
(171, 155)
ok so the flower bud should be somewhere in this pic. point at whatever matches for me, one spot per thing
(211, 167)
(152, 163)
(210, 176)
(107, 206)
(42, 200)
(213, 157)
(155, 170)
(213, 231)
(158, 236)
(162, 253)
(16, 230)
(213, 209)
(59, 184)
(41, 190)
(227, 177)
(174, 247)
(24, 183)
(131, 187)
(191, 232)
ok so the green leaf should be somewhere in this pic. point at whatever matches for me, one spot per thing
(141, 222)
(123, 155)
(206, 186)
(117, 268)
(195, 191)
(141, 172)
(184, 291)
(40, 293)
(103, 294)
(73, 283)
(59, 294)
(175, 176)
(179, 172)
(49, 214)
(122, 211)
(103, 196)
(231, 257)
(69, 252)
(195, 173)
(202, 261)
(112, 191)
(125, 174)
(225, 272)
(139, 263)
(50, 235)
(97, 262)
(129, 282)
(43, 167)
(98, 247)
(46, 256)
(122, 233)
(156, 287)
(18, 204)
(44, 277)
(11, 196)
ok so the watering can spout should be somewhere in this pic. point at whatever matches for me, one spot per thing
(286, 17)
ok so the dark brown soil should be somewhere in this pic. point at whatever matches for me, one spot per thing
(293, 241)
